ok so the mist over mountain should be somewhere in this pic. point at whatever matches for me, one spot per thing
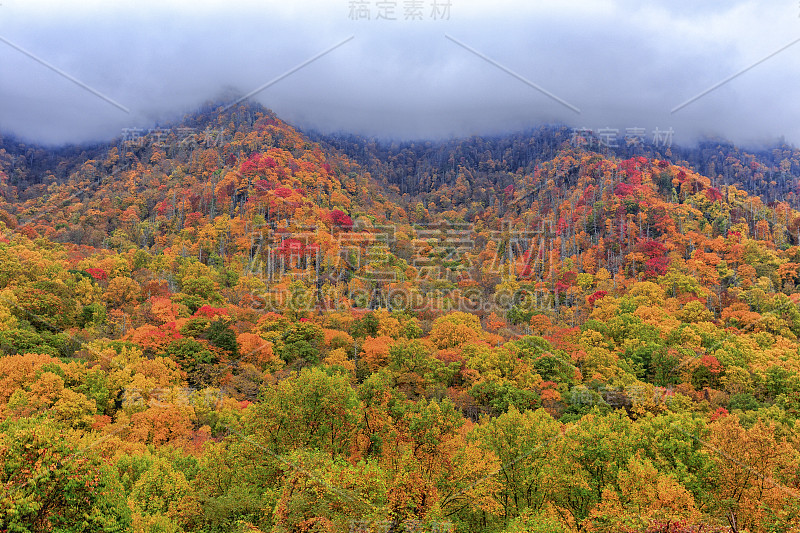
(465, 68)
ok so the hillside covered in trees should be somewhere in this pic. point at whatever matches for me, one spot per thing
(228, 325)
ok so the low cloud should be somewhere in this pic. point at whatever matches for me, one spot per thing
(621, 63)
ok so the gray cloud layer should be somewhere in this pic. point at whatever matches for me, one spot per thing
(622, 63)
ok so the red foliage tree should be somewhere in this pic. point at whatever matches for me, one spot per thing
(97, 273)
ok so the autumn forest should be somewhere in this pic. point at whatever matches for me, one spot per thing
(228, 325)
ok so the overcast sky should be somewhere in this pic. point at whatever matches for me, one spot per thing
(595, 64)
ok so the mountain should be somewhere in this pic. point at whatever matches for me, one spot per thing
(225, 324)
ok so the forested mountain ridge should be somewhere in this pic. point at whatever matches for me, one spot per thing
(418, 167)
(226, 325)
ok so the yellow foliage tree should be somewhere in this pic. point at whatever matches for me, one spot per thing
(455, 329)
